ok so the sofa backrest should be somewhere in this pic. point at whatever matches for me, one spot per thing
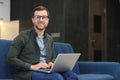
(62, 48)
(6, 70)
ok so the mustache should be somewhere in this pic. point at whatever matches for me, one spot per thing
(41, 22)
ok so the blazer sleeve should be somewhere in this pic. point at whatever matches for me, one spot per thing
(14, 52)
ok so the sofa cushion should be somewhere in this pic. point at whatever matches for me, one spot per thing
(95, 77)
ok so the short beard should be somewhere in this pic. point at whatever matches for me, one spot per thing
(40, 28)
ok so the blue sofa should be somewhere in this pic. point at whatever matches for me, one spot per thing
(85, 70)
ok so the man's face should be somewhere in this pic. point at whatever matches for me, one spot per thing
(40, 19)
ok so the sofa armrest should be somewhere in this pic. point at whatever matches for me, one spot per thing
(112, 68)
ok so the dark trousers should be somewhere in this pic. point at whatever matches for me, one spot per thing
(68, 75)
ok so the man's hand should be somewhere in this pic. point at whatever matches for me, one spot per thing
(50, 64)
(39, 65)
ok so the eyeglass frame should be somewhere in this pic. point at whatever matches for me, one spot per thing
(41, 17)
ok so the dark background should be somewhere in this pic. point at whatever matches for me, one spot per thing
(70, 19)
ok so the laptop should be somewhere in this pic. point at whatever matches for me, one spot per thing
(63, 62)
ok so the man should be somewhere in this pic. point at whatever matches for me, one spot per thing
(33, 49)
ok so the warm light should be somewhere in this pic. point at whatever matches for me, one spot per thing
(1, 23)
(9, 29)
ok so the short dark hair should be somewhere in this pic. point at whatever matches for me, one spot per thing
(40, 8)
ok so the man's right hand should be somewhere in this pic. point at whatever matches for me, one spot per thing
(40, 65)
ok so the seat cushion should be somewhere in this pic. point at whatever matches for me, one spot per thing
(95, 77)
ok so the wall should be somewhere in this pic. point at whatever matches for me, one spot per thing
(5, 10)
(76, 26)
(113, 30)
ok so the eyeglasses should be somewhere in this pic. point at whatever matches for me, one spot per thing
(39, 17)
